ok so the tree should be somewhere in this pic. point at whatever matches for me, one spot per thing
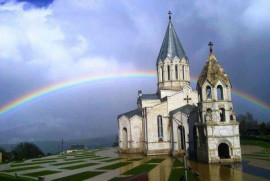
(263, 128)
(247, 122)
(26, 151)
(3, 151)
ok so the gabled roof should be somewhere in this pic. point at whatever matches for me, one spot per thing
(130, 114)
(212, 72)
(186, 109)
(171, 45)
(149, 97)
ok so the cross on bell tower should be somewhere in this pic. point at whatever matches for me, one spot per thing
(210, 44)
(170, 15)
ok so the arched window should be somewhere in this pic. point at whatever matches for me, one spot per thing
(220, 92)
(181, 134)
(222, 114)
(183, 71)
(125, 138)
(208, 116)
(176, 72)
(160, 128)
(168, 69)
(208, 92)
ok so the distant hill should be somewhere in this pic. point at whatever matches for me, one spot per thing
(52, 146)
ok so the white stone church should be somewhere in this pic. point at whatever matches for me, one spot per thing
(203, 119)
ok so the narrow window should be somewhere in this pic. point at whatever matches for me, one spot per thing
(220, 92)
(182, 136)
(160, 128)
(162, 74)
(222, 114)
(183, 71)
(176, 72)
(208, 92)
(168, 69)
(208, 115)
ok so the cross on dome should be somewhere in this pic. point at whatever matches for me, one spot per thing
(170, 15)
(210, 44)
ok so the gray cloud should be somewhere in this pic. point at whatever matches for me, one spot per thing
(70, 39)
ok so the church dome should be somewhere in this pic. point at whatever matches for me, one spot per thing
(171, 45)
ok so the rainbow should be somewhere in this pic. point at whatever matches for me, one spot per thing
(26, 99)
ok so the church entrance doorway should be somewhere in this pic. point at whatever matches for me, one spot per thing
(125, 138)
(223, 151)
(181, 137)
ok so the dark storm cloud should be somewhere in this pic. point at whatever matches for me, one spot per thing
(68, 38)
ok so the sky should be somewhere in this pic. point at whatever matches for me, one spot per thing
(44, 42)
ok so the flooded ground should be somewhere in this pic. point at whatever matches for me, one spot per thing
(247, 170)
(254, 167)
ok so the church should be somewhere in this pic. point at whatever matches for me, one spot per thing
(178, 118)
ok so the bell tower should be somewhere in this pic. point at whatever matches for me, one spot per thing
(172, 62)
(217, 128)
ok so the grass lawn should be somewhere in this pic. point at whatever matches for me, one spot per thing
(22, 169)
(27, 164)
(5, 177)
(114, 166)
(263, 144)
(100, 158)
(177, 173)
(116, 178)
(79, 166)
(177, 163)
(111, 160)
(41, 173)
(257, 158)
(135, 159)
(67, 163)
(139, 169)
(47, 159)
(79, 176)
(156, 160)
(257, 155)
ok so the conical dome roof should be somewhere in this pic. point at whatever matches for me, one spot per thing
(171, 45)
(212, 72)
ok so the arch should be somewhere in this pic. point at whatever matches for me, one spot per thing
(208, 92)
(168, 69)
(181, 137)
(125, 138)
(222, 115)
(160, 128)
(224, 151)
(176, 72)
(220, 95)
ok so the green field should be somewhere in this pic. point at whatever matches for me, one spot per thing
(140, 169)
(22, 169)
(156, 160)
(41, 173)
(114, 166)
(79, 166)
(34, 163)
(4, 177)
(67, 163)
(79, 176)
